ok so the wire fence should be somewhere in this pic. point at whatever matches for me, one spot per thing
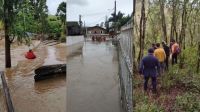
(3, 107)
(125, 66)
(6, 104)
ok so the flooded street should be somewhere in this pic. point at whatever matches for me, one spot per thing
(43, 96)
(92, 79)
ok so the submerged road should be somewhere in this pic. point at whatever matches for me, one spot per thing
(92, 79)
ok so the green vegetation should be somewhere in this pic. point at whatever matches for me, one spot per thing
(188, 102)
(158, 20)
(1, 25)
(119, 21)
(22, 18)
(54, 27)
(179, 88)
(61, 13)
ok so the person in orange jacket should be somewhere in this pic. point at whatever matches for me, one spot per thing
(30, 55)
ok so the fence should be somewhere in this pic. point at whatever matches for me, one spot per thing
(125, 66)
(6, 98)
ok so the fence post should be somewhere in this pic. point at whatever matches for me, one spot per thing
(9, 104)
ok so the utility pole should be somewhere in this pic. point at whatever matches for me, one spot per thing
(115, 18)
(107, 24)
(80, 23)
(84, 30)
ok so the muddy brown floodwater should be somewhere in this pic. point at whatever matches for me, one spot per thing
(92, 79)
(43, 96)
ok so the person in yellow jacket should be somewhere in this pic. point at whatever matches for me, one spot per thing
(159, 53)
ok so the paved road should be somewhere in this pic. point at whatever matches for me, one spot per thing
(92, 79)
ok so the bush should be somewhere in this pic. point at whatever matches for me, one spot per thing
(147, 107)
(63, 39)
(189, 102)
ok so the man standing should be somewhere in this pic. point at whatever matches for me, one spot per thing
(149, 67)
(159, 53)
(154, 46)
(175, 51)
(167, 52)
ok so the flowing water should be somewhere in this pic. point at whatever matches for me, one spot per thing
(92, 79)
(30, 96)
(51, 59)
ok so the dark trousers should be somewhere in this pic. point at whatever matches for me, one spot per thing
(153, 81)
(166, 62)
(174, 58)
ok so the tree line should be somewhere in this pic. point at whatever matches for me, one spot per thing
(164, 20)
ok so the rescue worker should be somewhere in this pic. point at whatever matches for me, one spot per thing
(167, 52)
(159, 53)
(154, 46)
(149, 67)
(30, 55)
(175, 51)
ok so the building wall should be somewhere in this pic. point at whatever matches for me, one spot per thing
(96, 31)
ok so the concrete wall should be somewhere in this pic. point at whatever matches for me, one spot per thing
(96, 30)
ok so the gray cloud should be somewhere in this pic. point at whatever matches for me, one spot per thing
(96, 11)
(77, 2)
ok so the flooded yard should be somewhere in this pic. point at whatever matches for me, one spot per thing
(28, 95)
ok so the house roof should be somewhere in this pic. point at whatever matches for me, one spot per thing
(89, 28)
(72, 23)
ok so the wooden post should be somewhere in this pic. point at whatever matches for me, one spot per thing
(9, 104)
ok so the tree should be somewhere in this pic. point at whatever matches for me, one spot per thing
(13, 28)
(54, 27)
(174, 32)
(9, 13)
(61, 12)
(106, 24)
(162, 12)
(142, 31)
(133, 42)
(120, 20)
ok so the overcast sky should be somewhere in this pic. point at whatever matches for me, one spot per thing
(53, 5)
(94, 11)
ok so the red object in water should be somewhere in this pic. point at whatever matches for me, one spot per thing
(30, 55)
